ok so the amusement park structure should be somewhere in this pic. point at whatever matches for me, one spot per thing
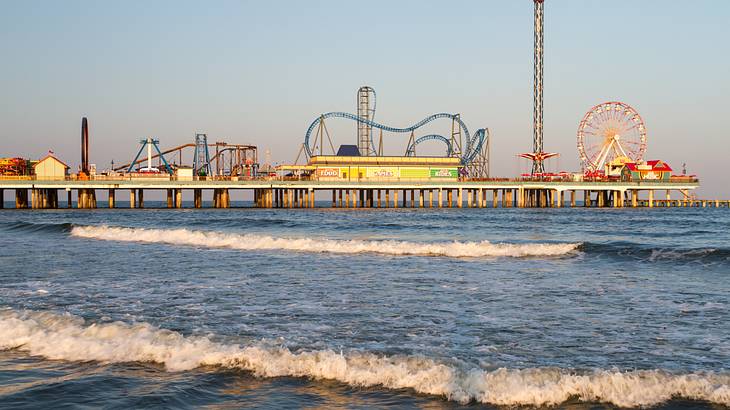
(538, 156)
(150, 143)
(366, 102)
(228, 160)
(460, 143)
(611, 132)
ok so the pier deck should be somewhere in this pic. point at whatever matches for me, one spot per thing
(415, 194)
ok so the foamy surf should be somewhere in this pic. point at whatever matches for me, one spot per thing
(188, 237)
(67, 337)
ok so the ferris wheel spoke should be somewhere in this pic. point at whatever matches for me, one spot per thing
(592, 148)
(633, 143)
(633, 127)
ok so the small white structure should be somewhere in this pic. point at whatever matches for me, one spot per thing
(50, 167)
(184, 174)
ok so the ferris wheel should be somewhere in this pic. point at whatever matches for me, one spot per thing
(611, 132)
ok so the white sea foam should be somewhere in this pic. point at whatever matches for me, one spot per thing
(66, 337)
(264, 242)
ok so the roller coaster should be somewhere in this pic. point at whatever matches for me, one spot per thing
(474, 143)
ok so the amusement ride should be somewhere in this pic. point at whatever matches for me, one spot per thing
(611, 132)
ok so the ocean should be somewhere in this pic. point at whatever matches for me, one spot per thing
(337, 308)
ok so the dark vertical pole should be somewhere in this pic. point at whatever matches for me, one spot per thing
(85, 146)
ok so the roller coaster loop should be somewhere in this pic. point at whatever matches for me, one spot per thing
(473, 143)
(411, 150)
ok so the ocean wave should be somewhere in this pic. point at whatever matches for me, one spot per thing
(22, 226)
(263, 242)
(650, 253)
(67, 337)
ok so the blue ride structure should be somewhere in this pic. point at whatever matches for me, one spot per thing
(473, 143)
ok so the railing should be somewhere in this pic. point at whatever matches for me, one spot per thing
(165, 177)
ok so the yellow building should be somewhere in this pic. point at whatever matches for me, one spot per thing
(50, 167)
(356, 168)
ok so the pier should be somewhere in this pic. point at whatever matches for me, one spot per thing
(39, 194)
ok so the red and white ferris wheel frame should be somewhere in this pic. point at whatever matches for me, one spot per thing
(605, 112)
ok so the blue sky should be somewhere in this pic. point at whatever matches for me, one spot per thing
(260, 72)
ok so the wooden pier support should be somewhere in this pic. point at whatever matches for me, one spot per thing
(198, 198)
(221, 198)
(21, 198)
(112, 198)
(43, 198)
(86, 198)
(140, 198)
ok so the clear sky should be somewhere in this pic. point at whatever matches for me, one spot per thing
(260, 71)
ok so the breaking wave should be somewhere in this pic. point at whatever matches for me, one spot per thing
(67, 337)
(263, 242)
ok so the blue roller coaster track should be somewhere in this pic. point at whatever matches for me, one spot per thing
(411, 150)
(474, 143)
